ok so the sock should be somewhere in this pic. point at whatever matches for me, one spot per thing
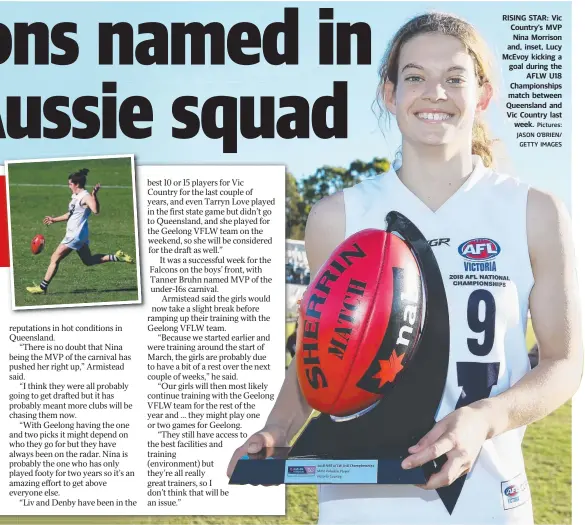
(113, 258)
(44, 285)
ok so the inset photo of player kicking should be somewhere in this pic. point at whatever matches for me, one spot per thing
(42, 276)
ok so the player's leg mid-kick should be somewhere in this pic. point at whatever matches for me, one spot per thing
(86, 257)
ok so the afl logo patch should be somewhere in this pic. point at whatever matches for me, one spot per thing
(515, 492)
(479, 249)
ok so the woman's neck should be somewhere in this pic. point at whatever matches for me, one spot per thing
(434, 175)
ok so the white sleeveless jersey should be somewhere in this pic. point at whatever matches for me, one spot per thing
(77, 224)
(479, 240)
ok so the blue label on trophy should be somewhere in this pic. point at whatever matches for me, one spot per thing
(312, 471)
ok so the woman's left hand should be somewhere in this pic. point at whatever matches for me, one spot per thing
(460, 436)
(96, 188)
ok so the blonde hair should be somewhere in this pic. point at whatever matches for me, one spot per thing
(449, 25)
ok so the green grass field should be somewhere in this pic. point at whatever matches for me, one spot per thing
(39, 189)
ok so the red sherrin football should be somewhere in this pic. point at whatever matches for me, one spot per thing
(37, 244)
(359, 323)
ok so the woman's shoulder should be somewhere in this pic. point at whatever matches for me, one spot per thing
(546, 213)
(325, 229)
(327, 214)
(330, 212)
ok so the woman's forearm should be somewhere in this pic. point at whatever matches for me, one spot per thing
(61, 218)
(540, 392)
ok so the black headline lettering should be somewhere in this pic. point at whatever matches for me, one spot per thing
(295, 124)
(194, 43)
(342, 32)
(164, 46)
(84, 117)
(18, 44)
(223, 118)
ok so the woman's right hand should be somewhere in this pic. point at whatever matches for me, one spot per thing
(48, 220)
(269, 437)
